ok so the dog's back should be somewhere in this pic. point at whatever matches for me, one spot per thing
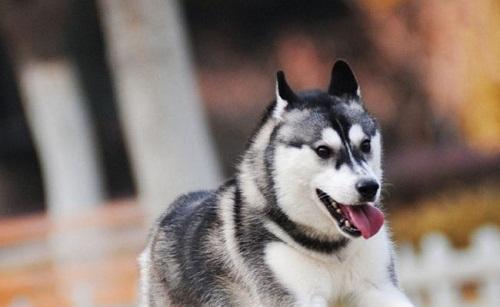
(176, 265)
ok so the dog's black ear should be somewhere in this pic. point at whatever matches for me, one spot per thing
(284, 95)
(283, 90)
(343, 81)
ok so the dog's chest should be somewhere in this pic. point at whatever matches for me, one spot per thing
(328, 277)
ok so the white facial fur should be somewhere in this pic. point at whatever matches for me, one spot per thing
(375, 162)
(294, 169)
(332, 138)
(340, 183)
(299, 172)
(356, 134)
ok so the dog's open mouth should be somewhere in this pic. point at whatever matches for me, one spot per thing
(355, 220)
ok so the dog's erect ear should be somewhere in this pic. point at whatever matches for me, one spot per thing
(284, 95)
(343, 81)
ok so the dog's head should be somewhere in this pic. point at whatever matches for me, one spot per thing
(326, 157)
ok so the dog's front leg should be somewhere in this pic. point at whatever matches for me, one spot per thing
(387, 296)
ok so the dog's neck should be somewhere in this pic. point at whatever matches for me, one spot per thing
(252, 172)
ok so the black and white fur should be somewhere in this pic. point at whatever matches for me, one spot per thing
(265, 238)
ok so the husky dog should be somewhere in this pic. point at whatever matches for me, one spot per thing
(299, 225)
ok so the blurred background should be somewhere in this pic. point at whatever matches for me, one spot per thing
(111, 108)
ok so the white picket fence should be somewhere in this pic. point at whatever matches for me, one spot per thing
(436, 276)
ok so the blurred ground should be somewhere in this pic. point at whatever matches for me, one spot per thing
(93, 262)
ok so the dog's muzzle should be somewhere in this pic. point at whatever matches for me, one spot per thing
(355, 220)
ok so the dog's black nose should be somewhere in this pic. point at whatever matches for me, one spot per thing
(367, 188)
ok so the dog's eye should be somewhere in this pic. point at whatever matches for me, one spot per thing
(323, 152)
(366, 146)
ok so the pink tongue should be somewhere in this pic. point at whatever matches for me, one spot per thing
(366, 218)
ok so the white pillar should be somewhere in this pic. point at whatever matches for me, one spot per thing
(166, 131)
(62, 134)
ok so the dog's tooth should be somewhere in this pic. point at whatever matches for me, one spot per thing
(338, 211)
(347, 223)
(335, 205)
